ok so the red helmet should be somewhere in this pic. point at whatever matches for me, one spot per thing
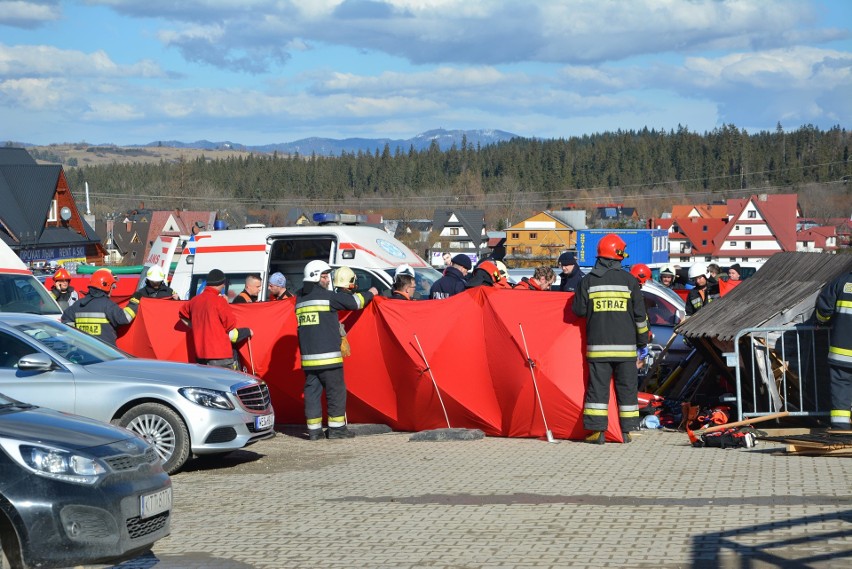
(641, 272)
(61, 275)
(102, 279)
(611, 246)
(490, 268)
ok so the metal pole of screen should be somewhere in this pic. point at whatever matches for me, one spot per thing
(251, 356)
(438, 391)
(531, 363)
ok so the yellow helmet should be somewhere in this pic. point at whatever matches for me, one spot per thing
(344, 277)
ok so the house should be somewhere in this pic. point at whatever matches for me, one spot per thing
(614, 214)
(539, 240)
(39, 219)
(817, 239)
(459, 231)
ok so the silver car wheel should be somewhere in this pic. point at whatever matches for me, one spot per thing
(156, 431)
(161, 426)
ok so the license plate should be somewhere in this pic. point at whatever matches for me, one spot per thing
(156, 503)
(264, 422)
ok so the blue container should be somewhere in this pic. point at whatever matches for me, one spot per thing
(220, 225)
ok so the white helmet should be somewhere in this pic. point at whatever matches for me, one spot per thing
(344, 277)
(404, 269)
(314, 270)
(155, 274)
(504, 272)
(698, 270)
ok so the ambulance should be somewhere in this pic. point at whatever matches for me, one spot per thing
(338, 239)
(20, 291)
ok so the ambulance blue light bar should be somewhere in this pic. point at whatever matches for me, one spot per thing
(342, 218)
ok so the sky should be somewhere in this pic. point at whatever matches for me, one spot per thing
(259, 72)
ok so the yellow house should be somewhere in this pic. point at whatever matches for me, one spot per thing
(539, 240)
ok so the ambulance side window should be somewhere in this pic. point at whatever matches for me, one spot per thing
(289, 255)
(366, 279)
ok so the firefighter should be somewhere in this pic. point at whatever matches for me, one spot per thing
(699, 295)
(155, 287)
(667, 277)
(641, 272)
(834, 309)
(319, 343)
(96, 313)
(62, 290)
(610, 300)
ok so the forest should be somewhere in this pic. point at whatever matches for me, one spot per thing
(647, 169)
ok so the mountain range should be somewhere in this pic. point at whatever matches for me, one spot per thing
(334, 147)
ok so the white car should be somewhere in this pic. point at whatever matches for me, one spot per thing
(180, 408)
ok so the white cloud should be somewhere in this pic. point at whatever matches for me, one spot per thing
(45, 61)
(28, 15)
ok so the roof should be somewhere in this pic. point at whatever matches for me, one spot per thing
(14, 156)
(705, 211)
(784, 281)
(26, 191)
(184, 220)
(779, 212)
(473, 221)
(702, 239)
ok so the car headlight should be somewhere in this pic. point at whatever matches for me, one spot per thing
(52, 462)
(207, 397)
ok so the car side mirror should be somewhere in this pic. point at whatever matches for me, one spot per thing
(35, 362)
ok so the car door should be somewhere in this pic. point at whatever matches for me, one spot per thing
(54, 388)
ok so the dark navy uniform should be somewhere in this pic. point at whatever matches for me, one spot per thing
(834, 308)
(96, 314)
(450, 284)
(611, 301)
(147, 291)
(319, 343)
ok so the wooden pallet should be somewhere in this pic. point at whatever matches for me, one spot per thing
(830, 443)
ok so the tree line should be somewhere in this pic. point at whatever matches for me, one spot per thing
(646, 168)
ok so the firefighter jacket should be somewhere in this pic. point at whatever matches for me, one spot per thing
(318, 326)
(528, 284)
(213, 325)
(611, 301)
(96, 314)
(834, 308)
(64, 299)
(696, 298)
(450, 284)
(147, 291)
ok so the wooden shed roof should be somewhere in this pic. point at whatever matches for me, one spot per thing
(782, 291)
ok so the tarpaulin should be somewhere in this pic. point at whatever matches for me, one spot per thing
(726, 286)
(472, 345)
(124, 287)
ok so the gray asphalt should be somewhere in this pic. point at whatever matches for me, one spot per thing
(384, 501)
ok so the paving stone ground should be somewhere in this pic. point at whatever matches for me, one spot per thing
(384, 501)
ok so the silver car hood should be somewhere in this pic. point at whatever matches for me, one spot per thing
(172, 373)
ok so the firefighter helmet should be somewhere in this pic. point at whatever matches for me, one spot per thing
(315, 269)
(492, 270)
(155, 274)
(102, 279)
(698, 270)
(504, 272)
(641, 272)
(667, 271)
(404, 269)
(344, 277)
(611, 246)
(61, 275)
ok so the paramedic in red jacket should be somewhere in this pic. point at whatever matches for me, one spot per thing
(213, 324)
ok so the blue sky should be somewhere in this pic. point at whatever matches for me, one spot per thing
(260, 72)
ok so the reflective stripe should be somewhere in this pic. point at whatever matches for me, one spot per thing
(315, 423)
(628, 407)
(841, 414)
(130, 312)
(628, 410)
(595, 412)
(307, 309)
(91, 320)
(336, 421)
(359, 298)
(597, 405)
(314, 360)
(822, 318)
(840, 355)
(611, 351)
(307, 303)
(609, 294)
(613, 288)
(642, 327)
(233, 335)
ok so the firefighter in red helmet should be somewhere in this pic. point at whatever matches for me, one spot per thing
(611, 301)
(96, 313)
(62, 290)
(641, 272)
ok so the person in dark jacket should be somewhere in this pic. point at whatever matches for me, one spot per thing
(834, 309)
(96, 313)
(318, 328)
(486, 273)
(155, 287)
(214, 326)
(62, 290)
(571, 274)
(453, 281)
(277, 287)
(403, 287)
(699, 295)
(250, 292)
(611, 301)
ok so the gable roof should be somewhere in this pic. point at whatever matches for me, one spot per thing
(784, 281)
(14, 156)
(178, 221)
(704, 211)
(702, 239)
(473, 221)
(26, 191)
(779, 212)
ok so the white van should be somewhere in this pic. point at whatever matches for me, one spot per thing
(20, 291)
(371, 253)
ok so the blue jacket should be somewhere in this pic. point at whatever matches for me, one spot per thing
(451, 283)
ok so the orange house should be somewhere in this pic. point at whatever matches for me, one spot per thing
(539, 240)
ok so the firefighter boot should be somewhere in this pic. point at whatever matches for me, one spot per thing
(626, 436)
(596, 438)
(316, 434)
(340, 433)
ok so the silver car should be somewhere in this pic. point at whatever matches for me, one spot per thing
(180, 408)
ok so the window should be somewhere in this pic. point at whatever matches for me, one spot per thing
(733, 244)
(748, 230)
(533, 235)
(516, 235)
(704, 228)
(527, 250)
(704, 242)
(454, 230)
(748, 244)
(736, 228)
(752, 214)
(51, 213)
